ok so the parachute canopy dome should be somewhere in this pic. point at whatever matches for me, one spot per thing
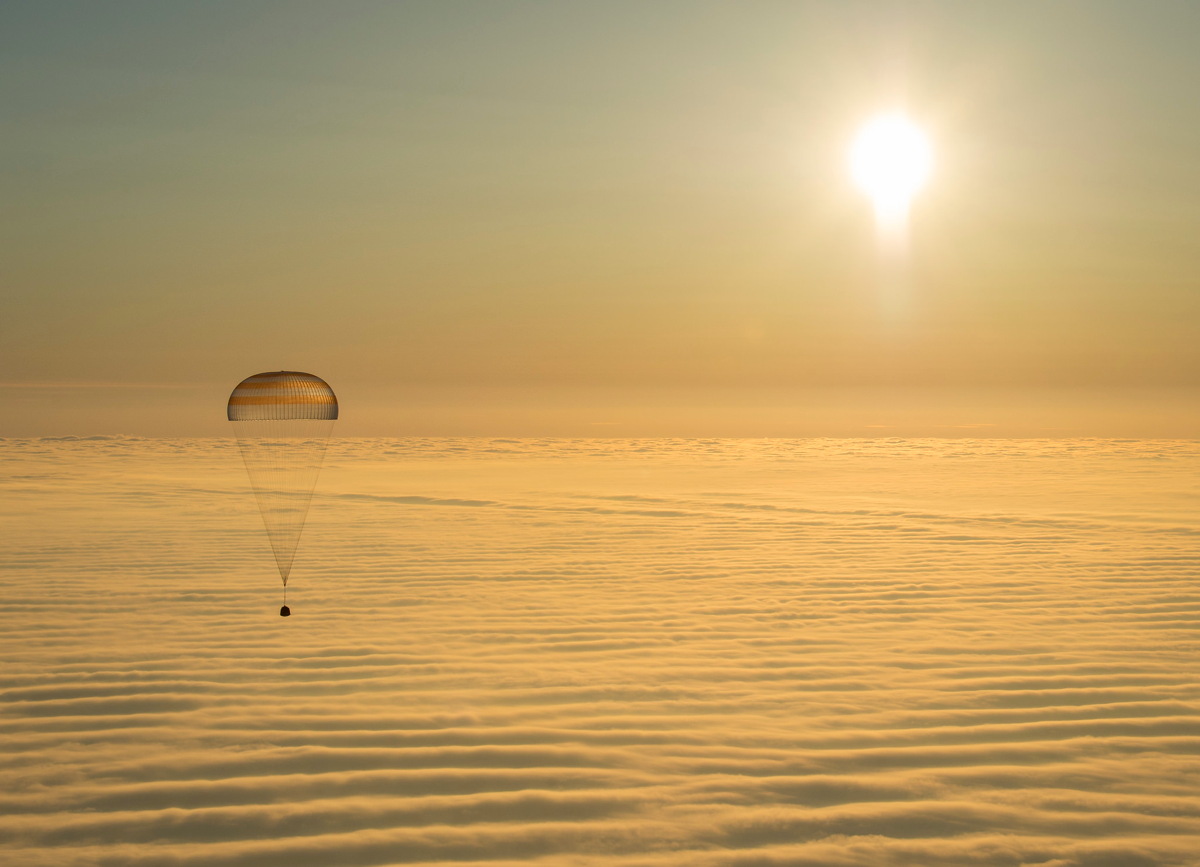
(282, 394)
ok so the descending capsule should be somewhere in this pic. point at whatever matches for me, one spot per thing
(283, 421)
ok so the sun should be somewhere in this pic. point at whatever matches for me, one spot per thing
(890, 161)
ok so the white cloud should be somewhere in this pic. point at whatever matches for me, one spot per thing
(655, 653)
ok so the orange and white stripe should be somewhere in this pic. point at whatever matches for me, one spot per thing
(282, 394)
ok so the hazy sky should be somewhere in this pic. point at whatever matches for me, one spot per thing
(547, 217)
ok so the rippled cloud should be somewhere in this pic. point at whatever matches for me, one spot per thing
(659, 653)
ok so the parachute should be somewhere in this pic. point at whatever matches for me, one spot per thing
(283, 421)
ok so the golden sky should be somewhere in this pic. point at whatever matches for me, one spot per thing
(548, 218)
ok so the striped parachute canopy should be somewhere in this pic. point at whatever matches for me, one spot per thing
(283, 421)
(283, 396)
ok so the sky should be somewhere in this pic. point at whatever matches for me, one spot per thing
(543, 218)
(604, 653)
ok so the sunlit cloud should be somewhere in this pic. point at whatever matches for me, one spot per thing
(662, 652)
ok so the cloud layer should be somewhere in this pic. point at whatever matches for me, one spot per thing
(657, 653)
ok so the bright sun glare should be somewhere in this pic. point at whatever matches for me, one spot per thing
(890, 161)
